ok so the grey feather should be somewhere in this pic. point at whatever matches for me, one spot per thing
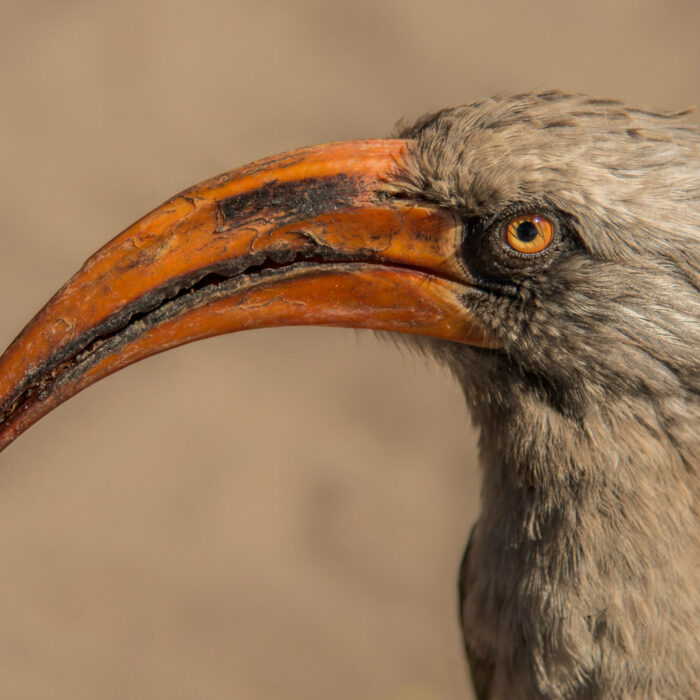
(582, 578)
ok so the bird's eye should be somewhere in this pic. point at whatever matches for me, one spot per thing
(529, 233)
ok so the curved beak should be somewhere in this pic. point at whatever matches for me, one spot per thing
(309, 237)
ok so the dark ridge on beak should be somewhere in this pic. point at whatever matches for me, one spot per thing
(291, 201)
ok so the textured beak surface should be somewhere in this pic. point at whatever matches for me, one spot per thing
(309, 237)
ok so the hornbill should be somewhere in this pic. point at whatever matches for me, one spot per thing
(545, 247)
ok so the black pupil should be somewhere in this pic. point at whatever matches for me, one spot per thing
(526, 231)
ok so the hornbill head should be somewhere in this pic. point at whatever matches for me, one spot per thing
(544, 245)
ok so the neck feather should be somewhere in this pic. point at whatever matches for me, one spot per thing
(589, 542)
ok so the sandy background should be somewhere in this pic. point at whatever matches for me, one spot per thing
(278, 514)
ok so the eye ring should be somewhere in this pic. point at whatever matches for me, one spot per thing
(529, 233)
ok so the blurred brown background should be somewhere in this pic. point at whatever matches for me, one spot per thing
(278, 514)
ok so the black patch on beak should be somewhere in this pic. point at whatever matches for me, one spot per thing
(296, 200)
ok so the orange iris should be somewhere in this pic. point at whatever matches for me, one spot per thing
(529, 233)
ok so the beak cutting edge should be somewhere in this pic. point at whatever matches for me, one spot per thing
(308, 237)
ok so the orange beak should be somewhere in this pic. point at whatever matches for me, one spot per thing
(309, 237)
